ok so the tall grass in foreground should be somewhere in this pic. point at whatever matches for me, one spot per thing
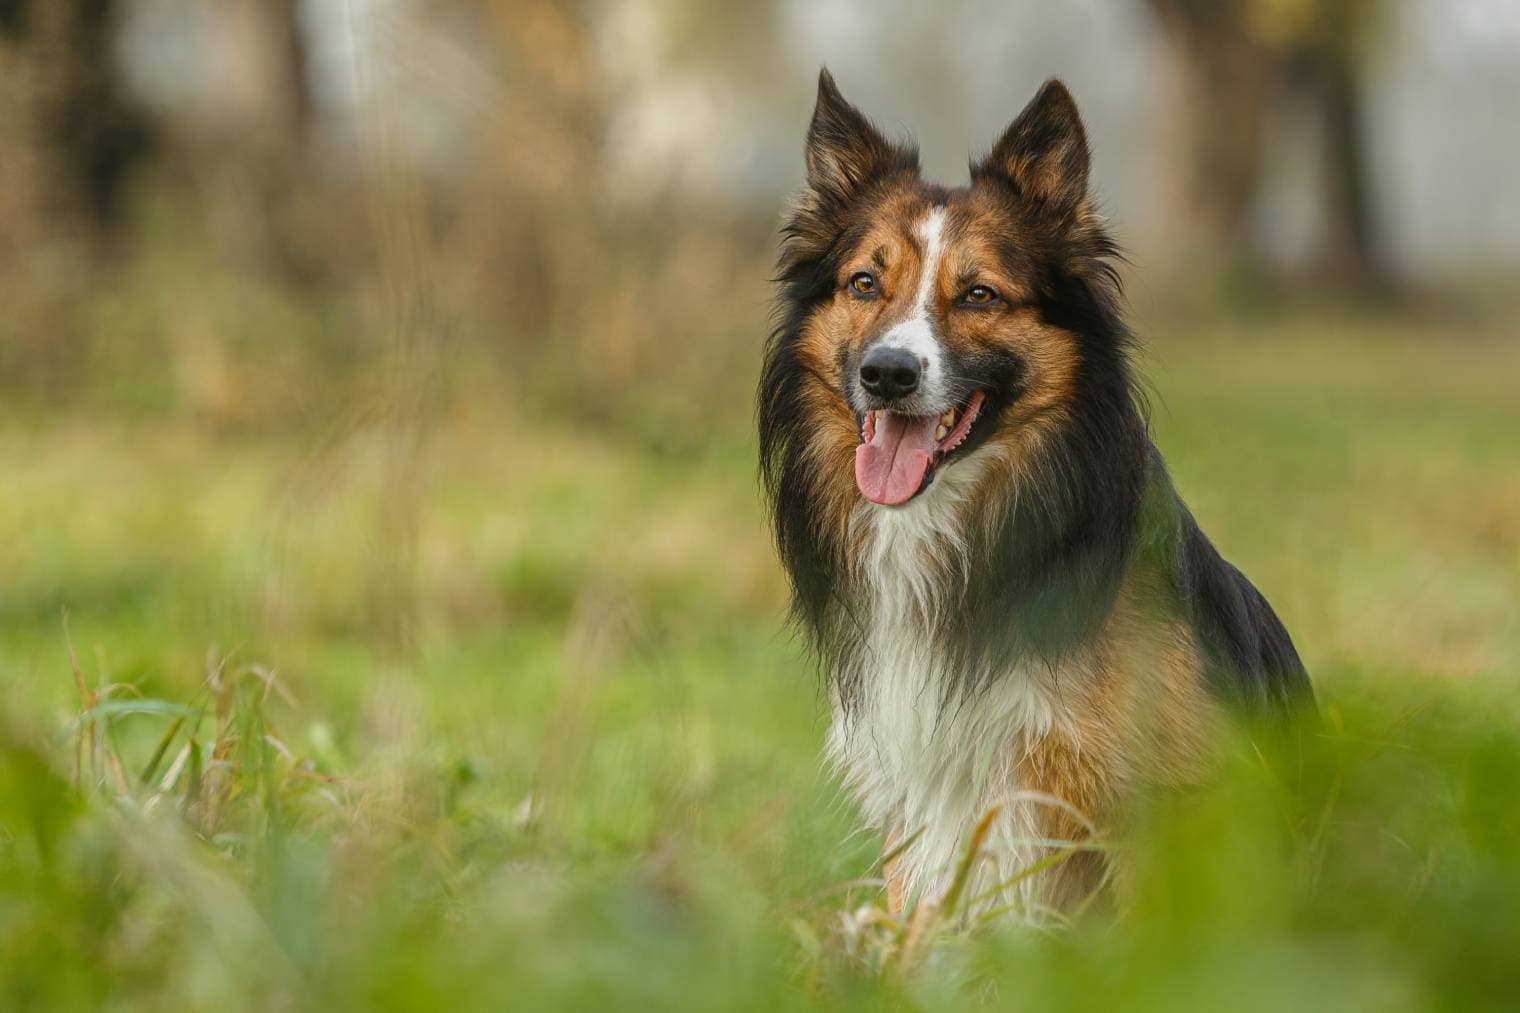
(171, 854)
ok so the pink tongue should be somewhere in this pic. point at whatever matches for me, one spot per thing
(890, 468)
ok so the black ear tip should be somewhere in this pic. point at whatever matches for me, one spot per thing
(828, 91)
(831, 105)
(1054, 94)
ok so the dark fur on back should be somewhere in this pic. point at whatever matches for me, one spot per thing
(1248, 651)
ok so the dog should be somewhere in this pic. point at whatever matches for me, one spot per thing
(1017, 614)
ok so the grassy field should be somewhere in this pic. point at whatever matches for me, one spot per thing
(494, 708)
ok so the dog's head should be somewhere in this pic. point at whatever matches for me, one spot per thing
(923, 323)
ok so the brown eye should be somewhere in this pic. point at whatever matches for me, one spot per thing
(863, 283)
(979, 295)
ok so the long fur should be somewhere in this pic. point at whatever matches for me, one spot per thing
(964, 629)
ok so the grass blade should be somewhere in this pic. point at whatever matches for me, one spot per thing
(973, 851)
(162, 748)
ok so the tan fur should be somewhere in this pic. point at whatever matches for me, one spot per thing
(1051, 359)
(1148, 722)
(890, 251)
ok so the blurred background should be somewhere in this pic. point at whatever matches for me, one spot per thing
(342, 181)
(335, 224)
(406, 349)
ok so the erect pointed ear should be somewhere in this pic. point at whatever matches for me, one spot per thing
(844, 151)
(1044, 152)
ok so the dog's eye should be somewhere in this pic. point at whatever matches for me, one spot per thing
(979, 295)
(863, 283)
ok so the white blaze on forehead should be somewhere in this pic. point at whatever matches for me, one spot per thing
(915, 333)
(931, 232)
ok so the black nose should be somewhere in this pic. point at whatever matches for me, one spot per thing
(889, 372)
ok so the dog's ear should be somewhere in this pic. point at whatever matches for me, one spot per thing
(844, 151)
(1043, 153)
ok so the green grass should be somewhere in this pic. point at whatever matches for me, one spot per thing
(514, 721)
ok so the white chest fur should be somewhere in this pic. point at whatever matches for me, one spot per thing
(917, 764)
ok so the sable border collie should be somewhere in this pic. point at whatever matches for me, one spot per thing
(1013, 606)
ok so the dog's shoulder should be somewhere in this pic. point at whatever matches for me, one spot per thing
(1246, 653)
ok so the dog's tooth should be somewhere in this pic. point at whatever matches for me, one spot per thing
(947, 419)
(941, 431)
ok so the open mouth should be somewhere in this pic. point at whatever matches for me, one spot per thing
(898, 453)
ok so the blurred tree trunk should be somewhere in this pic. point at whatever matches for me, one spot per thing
(1239, 58)
(277, 185)
(1226, 78)
(70, 141)
(287, 181)
(294, 70)
(544, 153)
(1352, 238)
(88, 133)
